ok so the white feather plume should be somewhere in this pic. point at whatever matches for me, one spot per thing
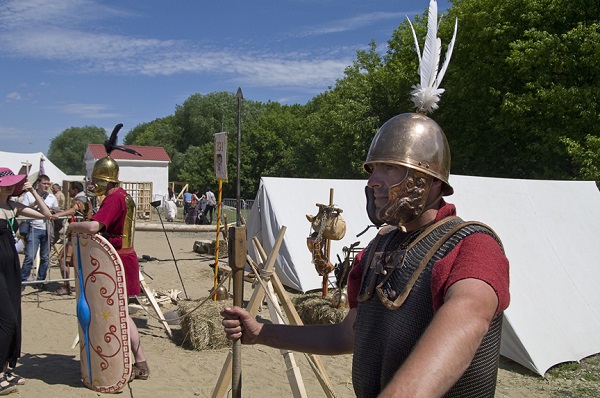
(426, 94)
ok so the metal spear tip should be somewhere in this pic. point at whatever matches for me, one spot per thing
(239, 93)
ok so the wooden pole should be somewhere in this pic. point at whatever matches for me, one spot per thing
(237, 259)
(237, 262)
(252, 308)
(327, 252)
(216, 277)
(142, 226)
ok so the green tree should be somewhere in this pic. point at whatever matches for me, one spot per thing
(68, 148)
(196, 167)
(159, 132)
(525, 74)
(271, 144)
(586, 156)
(201, 116)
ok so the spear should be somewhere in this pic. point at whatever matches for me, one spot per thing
(238, 262)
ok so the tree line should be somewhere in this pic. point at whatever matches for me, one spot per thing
(521, 101)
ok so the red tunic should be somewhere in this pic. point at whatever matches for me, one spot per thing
(477, 256)
(112, 214)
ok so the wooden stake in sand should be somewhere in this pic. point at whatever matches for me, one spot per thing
(327, 252)
(237, 262)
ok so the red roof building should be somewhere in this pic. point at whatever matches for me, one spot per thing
(156, 153)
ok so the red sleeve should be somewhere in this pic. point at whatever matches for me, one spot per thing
(111, 212)
(107, 212)
(477, 256)
(354, 280)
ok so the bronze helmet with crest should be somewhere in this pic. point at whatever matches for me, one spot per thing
(414, 141)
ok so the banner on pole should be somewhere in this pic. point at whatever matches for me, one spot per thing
(221, 156)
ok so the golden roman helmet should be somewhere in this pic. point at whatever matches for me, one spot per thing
(415, 141)
(105, 170)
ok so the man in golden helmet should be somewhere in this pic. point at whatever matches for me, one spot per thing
(114, 220)
(427, 294)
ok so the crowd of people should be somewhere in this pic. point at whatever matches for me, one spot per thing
(199, 209)
(44, 214)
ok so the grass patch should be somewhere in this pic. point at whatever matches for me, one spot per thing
(583, 378)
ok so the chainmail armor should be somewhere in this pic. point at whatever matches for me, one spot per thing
(384, 338)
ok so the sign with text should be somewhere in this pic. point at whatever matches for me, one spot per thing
(221, 156)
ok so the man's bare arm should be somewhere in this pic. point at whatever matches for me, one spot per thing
(315, 339)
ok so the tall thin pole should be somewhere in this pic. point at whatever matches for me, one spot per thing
(240, 97)
(217, 240)
(172, 254)
(238, 266)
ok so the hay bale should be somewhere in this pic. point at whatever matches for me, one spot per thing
(313, 309)
(206, 246)
(202, 329)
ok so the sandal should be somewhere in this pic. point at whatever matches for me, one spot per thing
(62, 291)
(14, 379)
(6, 387)
(141, 370)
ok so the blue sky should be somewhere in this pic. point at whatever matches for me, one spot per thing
(73, 63)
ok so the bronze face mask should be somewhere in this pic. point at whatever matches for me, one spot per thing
(406, 200)
(100, 187)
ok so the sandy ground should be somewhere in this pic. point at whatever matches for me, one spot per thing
(51, 366)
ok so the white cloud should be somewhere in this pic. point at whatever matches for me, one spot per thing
(87, 111)
(14, 96)
(348, 24)
(16, 14)
(63, 32)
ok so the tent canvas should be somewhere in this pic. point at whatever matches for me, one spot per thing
(15, 161)
(550, 231)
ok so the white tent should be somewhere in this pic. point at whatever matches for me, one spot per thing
(15, 161)
(550, 231)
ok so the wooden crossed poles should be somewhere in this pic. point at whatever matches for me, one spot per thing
(270, 286)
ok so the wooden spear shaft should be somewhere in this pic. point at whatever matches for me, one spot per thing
(217, 241)
(238, 260)
(327, 251)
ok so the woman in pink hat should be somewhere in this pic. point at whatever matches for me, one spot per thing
(12, 185)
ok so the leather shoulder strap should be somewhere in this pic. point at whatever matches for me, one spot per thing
(431, 252)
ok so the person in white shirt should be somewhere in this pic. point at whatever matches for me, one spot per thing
(211, 203)
(39, 232)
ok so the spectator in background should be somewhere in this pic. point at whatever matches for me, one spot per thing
(187, 202)
(81, 209)
(60, 197)
(40, 232)
(211, 203)
(62, 204)
(195, 198)
(91, 197)
(170, 205)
